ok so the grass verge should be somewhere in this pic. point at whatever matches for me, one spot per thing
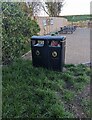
(41, 93)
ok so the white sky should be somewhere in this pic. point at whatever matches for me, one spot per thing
(74, 7)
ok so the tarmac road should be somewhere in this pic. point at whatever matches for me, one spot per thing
(78, 46)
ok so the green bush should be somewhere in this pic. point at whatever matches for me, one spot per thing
(17, 29)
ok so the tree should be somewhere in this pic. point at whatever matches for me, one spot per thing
(35, 7)
(53, 9)
(17, 28)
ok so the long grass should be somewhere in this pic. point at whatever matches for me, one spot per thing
(40, 93)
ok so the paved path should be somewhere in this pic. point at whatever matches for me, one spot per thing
(77, 47)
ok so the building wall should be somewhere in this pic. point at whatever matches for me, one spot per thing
(50, 24)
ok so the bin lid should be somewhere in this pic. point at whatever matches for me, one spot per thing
(48, 37)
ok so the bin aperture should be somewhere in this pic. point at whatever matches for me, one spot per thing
(48, 55)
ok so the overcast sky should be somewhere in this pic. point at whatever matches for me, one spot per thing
(75, 7)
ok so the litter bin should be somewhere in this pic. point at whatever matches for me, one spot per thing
(47, 55)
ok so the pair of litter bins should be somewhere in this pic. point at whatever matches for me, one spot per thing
(47, 56)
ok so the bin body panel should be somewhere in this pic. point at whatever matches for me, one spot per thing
(55, 58)
(37, 59)
(47, 56)
(40, 59)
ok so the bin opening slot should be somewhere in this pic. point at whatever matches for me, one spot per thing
(54, 43)
(38, 43)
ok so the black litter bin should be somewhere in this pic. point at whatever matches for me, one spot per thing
(46, 54)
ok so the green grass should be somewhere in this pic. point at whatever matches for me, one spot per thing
(75, 18)
(86, 103)
(38, 92)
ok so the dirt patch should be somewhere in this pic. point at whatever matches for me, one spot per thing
(76, 105)
(28, 56)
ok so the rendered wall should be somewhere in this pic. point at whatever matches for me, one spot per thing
(50, 24)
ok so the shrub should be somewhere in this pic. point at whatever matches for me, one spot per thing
(17, 28)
